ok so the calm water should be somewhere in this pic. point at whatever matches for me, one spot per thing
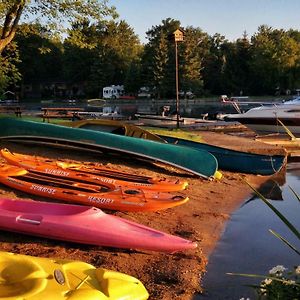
(248, 247)
(192, 108)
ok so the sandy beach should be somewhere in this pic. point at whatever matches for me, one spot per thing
(202, 219)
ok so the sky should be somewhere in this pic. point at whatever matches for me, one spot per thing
(227, 17)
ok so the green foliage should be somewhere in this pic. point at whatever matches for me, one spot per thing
(9, 74)
(159, 58)
(98, 51)
(194, 49)
(160, 64)
(113, 53)
(54, 14)
(40, 54)
(133, 77)
(214, 65)
(275, 58)
(279, 283)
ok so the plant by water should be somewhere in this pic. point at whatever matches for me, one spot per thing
(281, 283)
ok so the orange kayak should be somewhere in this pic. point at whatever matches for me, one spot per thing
(105, 196)
(91, 172)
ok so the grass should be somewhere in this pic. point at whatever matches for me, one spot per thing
(177, 133)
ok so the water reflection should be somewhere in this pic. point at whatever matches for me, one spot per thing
(271, 190)
(294, 168)
(247, 246)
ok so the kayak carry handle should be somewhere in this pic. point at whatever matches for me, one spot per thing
(28, 220)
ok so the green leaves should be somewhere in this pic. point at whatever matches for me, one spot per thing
(277, 212)
(280, 283)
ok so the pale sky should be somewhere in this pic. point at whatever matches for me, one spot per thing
(227, 17)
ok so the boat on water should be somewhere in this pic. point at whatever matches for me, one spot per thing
(197, 162)
(92, 173)
(35, 278)
(263, 119)
(101, 196)
(230, 160)
(85, 225)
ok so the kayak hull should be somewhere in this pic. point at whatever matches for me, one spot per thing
(194, 161)
(83, 224)
(36, 278)
(236, 161)
(56, 188)
(89, 172)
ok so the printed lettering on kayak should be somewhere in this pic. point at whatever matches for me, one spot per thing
(42, 189)
(57, 172)
(100, 200)
(106, 180)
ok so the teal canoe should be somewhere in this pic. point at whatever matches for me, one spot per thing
(197, 162)
(236, 161)
(228, 159)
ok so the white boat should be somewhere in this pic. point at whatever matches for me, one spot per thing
(264, 119)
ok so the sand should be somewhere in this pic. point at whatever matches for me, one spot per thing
(202, 219)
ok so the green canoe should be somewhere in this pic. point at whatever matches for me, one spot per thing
(200, 163)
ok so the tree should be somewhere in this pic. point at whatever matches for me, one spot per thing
(114, 48)
(159, 57)
(40, 54)
(9, 75)
(275, 54)
(160, 64)
(194, 52)
(54, 13)
(214, 64)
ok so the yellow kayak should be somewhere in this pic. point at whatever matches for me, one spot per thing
(25, 277)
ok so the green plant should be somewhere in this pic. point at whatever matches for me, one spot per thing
(280, 283)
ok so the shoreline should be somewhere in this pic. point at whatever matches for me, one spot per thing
(202, 219)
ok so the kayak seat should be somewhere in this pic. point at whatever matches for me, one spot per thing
(119, 131)
(132, 192)
(115, 285)
(20, 278)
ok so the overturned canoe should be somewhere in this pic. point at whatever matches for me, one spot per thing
(236, 161)
(230, 160)
(36, 278)
(102, 196)
(91, 173)
(197, 162)
(84, 224)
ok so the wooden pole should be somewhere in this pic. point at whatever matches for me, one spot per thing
(177, 89)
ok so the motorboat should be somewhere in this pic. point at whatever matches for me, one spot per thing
(266, 119)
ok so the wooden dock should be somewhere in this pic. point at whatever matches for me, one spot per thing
(292, 146)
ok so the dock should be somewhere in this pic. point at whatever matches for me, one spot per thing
(292, 146)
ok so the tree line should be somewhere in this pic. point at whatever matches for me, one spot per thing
(98, 50)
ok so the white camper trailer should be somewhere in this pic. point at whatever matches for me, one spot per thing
(113, 91)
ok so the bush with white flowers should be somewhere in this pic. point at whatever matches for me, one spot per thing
(281, 284)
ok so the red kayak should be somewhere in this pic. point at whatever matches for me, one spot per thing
(84, 224)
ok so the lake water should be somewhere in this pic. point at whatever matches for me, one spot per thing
(188, 108)
(247, 246)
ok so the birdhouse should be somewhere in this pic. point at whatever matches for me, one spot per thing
(178, 35)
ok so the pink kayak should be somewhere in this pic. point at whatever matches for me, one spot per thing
(84, 224)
